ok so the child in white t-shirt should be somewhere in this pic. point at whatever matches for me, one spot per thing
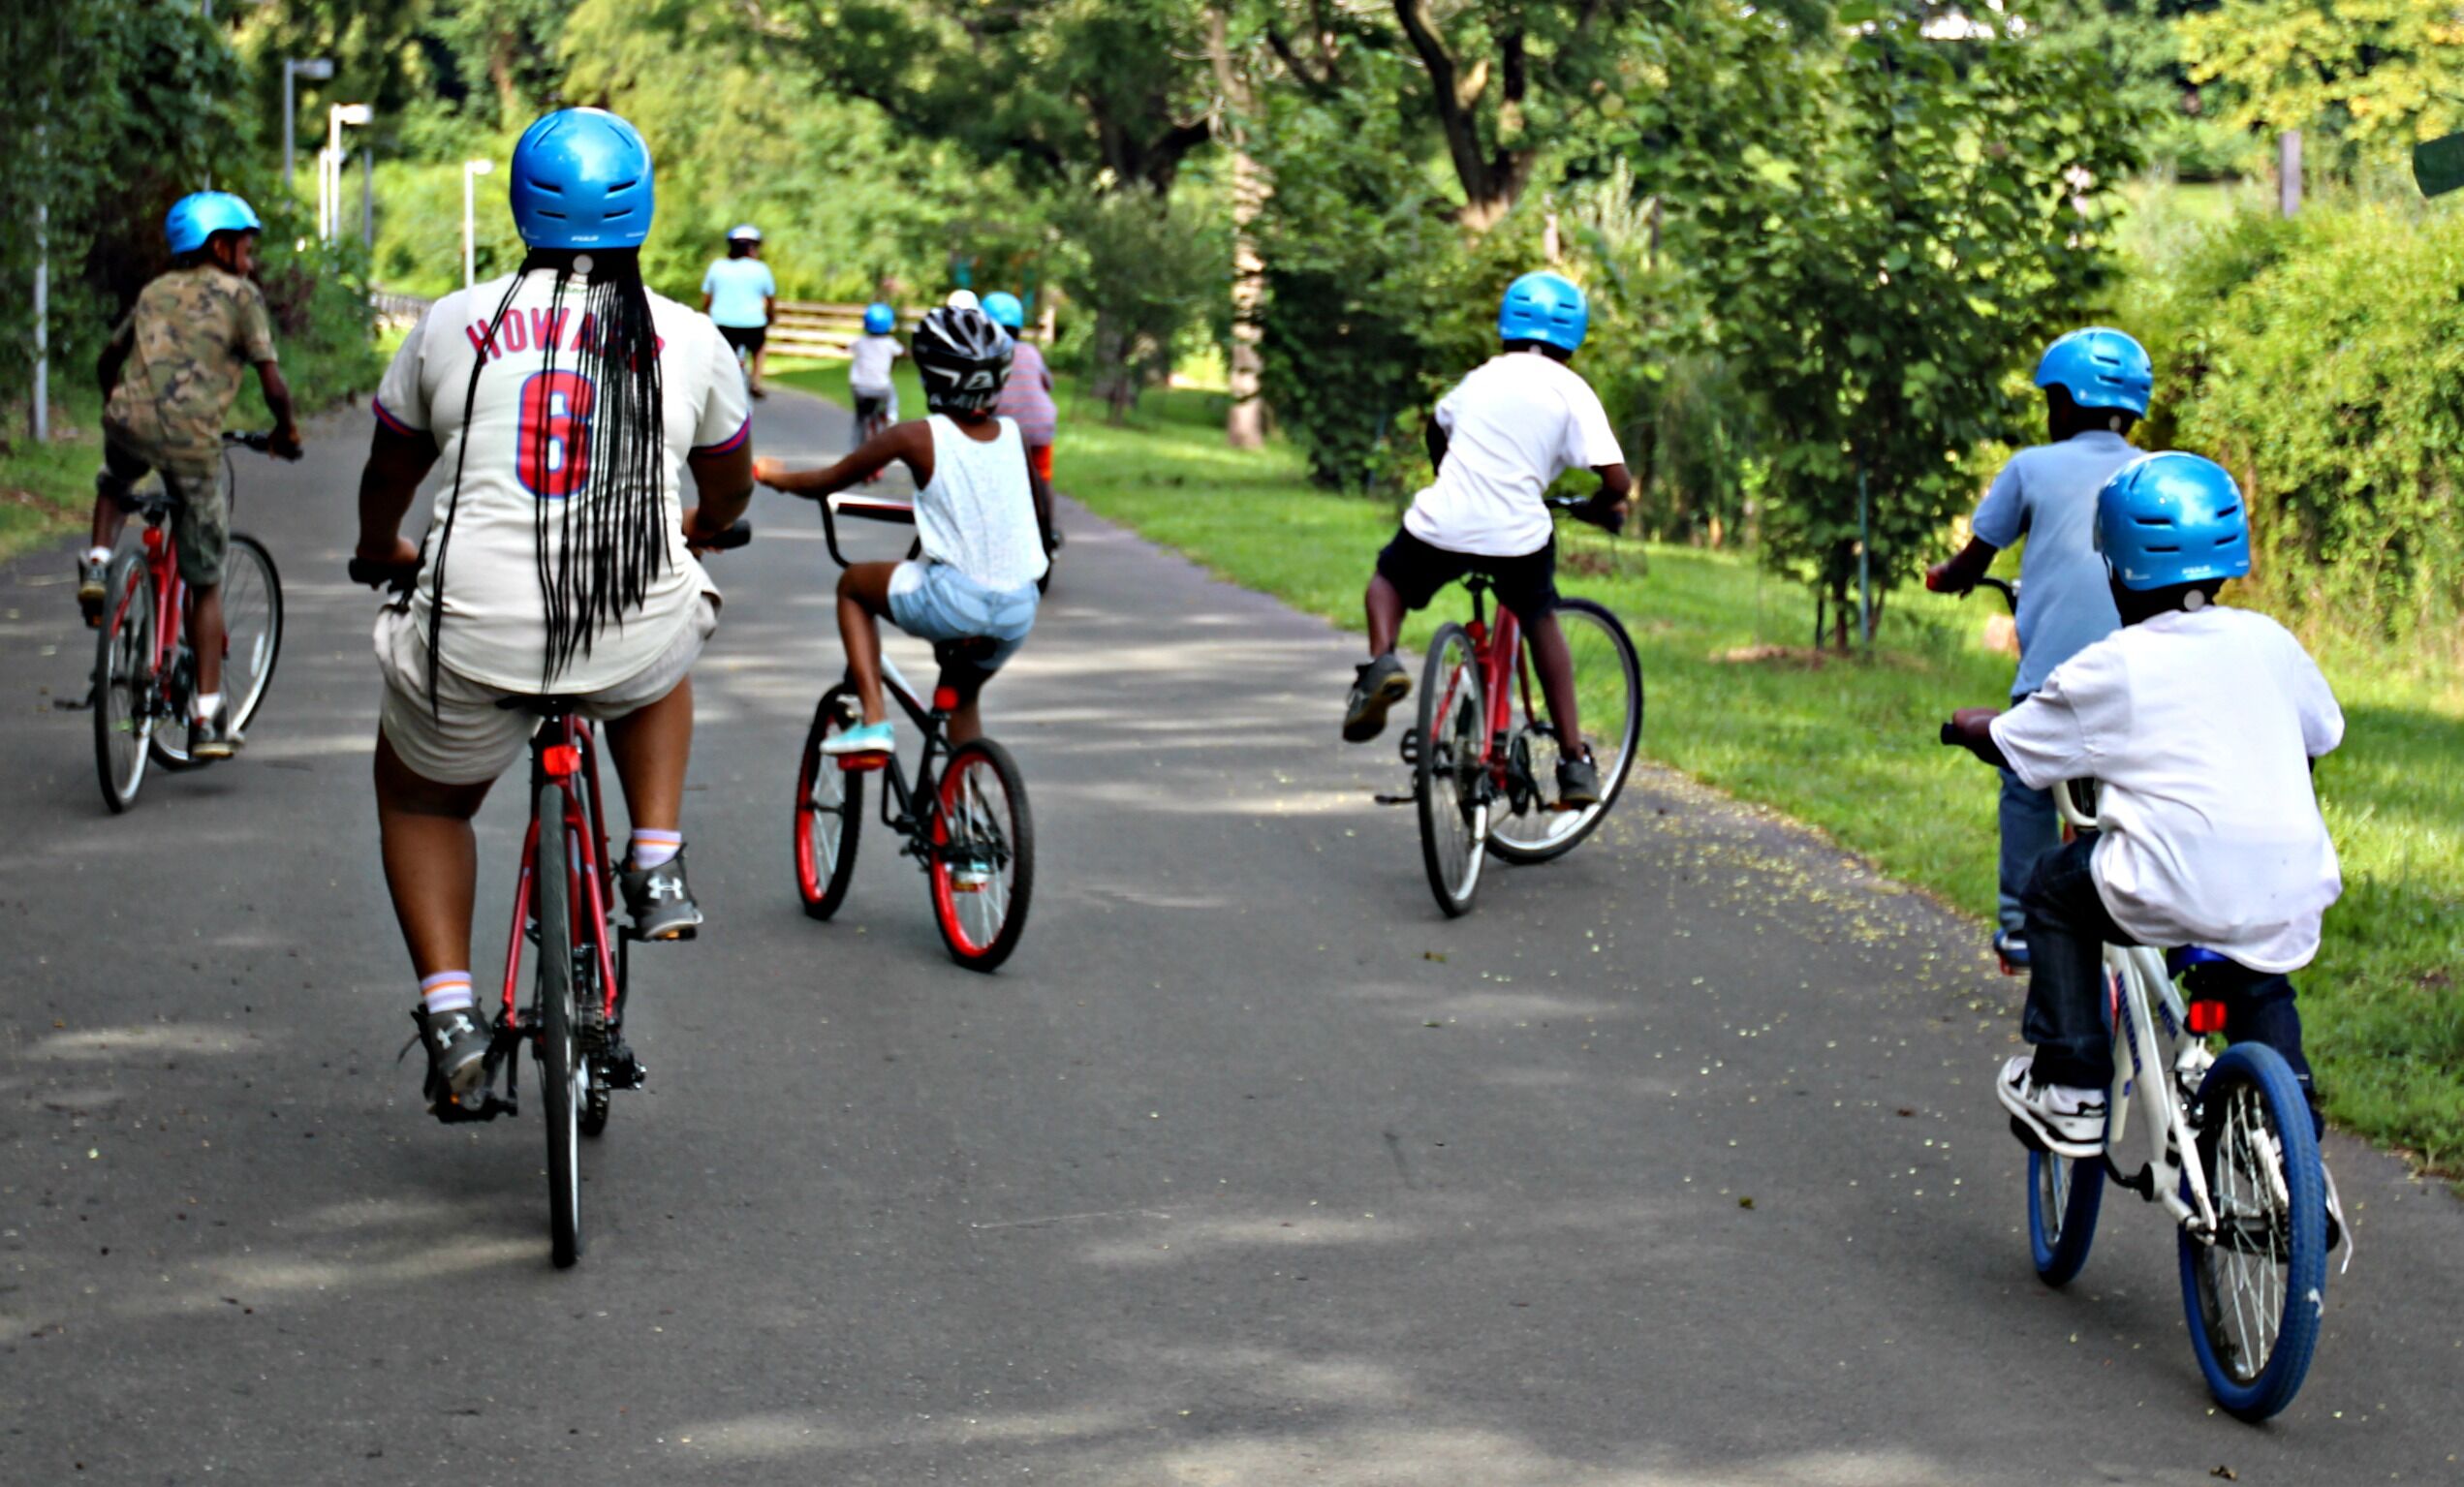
(870, 357)
(1499, 440)
(2200, 724)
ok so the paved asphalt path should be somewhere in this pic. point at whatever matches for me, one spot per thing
(1674, 1164)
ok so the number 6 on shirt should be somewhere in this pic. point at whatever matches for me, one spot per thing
(552, 444)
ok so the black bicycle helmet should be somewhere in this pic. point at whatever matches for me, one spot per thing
(963, 358)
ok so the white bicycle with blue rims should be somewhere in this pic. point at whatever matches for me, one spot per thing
(2223, 1143)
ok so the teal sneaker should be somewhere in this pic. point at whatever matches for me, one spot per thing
(871, 738)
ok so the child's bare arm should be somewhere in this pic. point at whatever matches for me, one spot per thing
(1961, 572)
(278, 400)
(910, 442)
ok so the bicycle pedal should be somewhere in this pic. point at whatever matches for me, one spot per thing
(1410, 748)
(1382, 798)
(861, 763)
(621, 1070)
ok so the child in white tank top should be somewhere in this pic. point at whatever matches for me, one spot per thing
(983, 523)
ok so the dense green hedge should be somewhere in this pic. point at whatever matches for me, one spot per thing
(2323, 360)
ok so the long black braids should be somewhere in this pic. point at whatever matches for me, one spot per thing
(603, 499)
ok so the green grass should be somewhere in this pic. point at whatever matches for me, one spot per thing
(47, 489)
(1849, 745)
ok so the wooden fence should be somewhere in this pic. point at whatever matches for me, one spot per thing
(811, 329)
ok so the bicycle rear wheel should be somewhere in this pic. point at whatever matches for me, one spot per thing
(983, 863)
(2256, 1294)
(124, 693)
(252, 638)
(1450, 782)
(557, 1043)
(1608, 691)
(2064, 1200)
(830, 810)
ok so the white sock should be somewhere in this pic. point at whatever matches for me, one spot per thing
(205, 704)
(98, 554)
(447, 991)
(652, 848)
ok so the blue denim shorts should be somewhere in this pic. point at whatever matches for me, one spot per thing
(936, 602)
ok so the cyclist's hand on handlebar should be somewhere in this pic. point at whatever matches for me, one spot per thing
(703, 539)
(286, 444)
(1939, 579)
(1971, 728)
(1608, 515)
(401, 553)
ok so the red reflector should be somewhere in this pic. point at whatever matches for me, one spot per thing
(560, 759)
(861, 763)
(945, 699)
(153, 539)
(2206, 1017)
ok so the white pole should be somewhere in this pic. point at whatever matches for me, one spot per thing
(470, 249)
(40, 418)
(290, 162)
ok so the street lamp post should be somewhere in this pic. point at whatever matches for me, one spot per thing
(330, 214)
(315, 70)
(472, 169)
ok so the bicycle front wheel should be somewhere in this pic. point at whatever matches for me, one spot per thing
(1609, 695)
(983, 863)
(125, 697)
(252, 625)
(2064, 1198)
(830, 810)
(558, 1044)
(1449, 781)
(2255, 1295)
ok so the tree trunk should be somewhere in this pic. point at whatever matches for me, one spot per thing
(1245, 421)
(1115, 380)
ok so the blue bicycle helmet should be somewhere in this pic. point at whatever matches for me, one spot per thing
(1545, 307)
(2173, 518)
(199, 216)
(581, 179)
(1006, 310)
(2100, 368)
(880, 319)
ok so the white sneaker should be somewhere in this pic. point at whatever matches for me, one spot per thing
(2063, 1119)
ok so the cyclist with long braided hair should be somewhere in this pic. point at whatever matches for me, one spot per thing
(566, 400)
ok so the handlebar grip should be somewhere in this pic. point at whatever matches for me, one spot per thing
(377, 574)
(736, 536)
(1951, 736)
(262, 444)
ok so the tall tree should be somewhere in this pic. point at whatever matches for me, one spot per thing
(2374, 75)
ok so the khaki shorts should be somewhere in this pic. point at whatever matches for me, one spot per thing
(466, 739)
(200, 520)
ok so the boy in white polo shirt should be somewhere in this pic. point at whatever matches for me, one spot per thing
(1499, 440)
(2199, 724)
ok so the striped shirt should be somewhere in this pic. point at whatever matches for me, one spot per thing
(1027, 396)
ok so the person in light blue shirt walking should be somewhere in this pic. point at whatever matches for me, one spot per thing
(741, 299)
(2096, 383)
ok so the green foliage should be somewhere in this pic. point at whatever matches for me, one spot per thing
(2369, 77)
(1146, 273)
(2317, 360)
(1883, 236)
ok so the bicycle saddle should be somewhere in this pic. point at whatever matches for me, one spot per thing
(975, 650)
(550, 705)
(2182, 959)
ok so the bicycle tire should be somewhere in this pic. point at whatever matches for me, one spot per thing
(2064, 1198)
(557, 1047)
(2249, 1087)
(829, 810)
(982, 920)
(125, 711)
(1618, 666)
(1449, 772)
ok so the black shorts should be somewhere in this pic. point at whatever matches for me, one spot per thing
(745, 338)
(870, 407)
(1526, 584)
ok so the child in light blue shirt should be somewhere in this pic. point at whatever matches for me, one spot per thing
(2096, 384)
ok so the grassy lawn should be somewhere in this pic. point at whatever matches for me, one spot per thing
(1849, 746)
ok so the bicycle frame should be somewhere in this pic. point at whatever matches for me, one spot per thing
(2158, 1064)
(1499, 645)
(572, 760)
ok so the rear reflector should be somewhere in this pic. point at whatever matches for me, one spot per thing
(2206, 1017)
(945, 699)
(560, 760)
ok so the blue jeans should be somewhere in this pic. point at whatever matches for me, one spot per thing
(2029, 829)
(2068, 928)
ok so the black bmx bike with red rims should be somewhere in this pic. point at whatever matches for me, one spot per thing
(963, 819)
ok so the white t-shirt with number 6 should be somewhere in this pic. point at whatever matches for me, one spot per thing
(495, 614)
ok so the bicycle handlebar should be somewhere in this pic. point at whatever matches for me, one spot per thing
(262, 444)
(864, 508)
(1587, 508)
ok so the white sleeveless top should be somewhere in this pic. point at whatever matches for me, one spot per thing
(978, 514)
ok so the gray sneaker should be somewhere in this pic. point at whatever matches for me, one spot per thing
(1379, 685)
(1578, 783)
(660, 900)
(93, 586)
(214, 737)
(456, 1047)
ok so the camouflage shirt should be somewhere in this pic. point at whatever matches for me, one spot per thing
(194, 330)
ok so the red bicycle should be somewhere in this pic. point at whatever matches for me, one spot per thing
(565, 905)
(144, 672)
(1483, 753)
(965, 820)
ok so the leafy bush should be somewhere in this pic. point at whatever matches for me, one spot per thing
(2323, 362)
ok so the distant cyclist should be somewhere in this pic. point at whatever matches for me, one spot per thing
(2199, 723)
(981, 516)
(742, 300)
(869, 379)
(1499, 440)
(567, 401)
(2096, 384)
(169, 373)
(1026, 399)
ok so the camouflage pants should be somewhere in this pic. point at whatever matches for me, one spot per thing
(201, 521)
